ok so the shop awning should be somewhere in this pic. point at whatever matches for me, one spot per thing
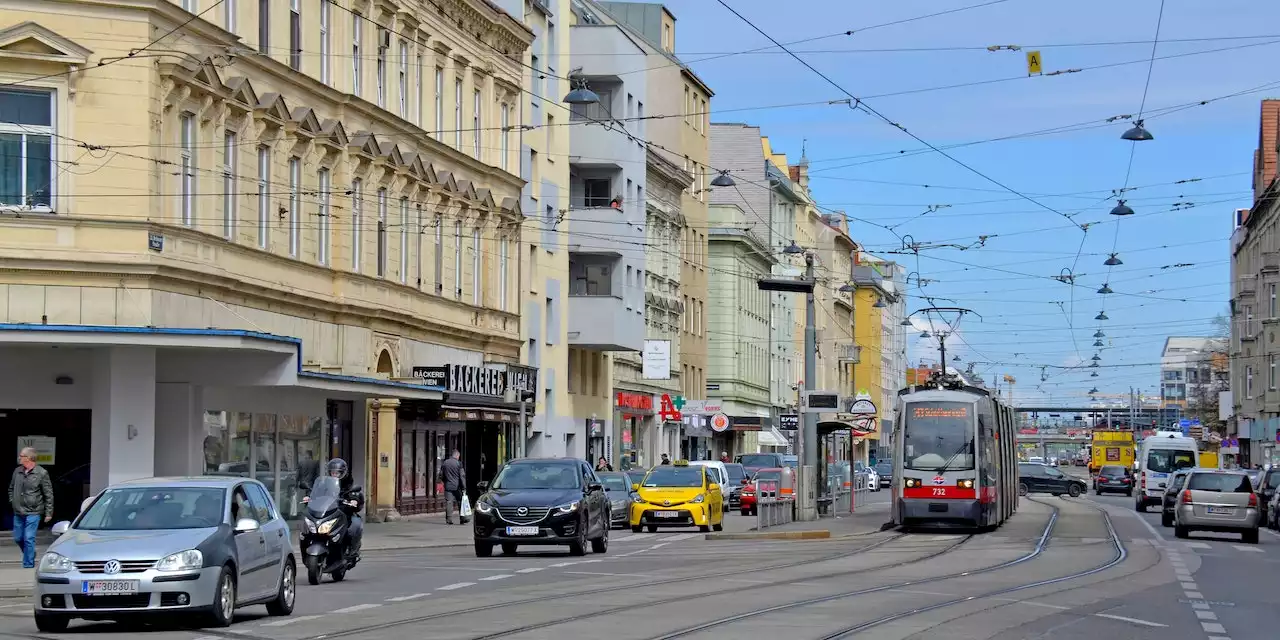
(772, 438)
(360, 386)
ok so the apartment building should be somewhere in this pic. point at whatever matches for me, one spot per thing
(281, 232)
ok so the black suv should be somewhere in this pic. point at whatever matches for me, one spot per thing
(1113, 477)
(1170, 501)
(542, 501)
(1042, 478)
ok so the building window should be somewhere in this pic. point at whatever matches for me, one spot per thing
(404, 240)
(322, 244)
(439, 255)
(187, 181)
(1248, 382)
(439, 103)
(295, 34)
(457, 260)
(229, 185)
(264, 26)
(1273, 301)
(504, 251)
(229, 17)
(477, 274)
(417, 89)
(325, 50)
(357, 203)
(404, 79)
(457, 114)
(357, 66)
(26, 133)
(504, 146)
(382, 233)
(264, 195)
(1271, 373)
(382, 69)
(418, 231)
(295, 204)
(476, 134)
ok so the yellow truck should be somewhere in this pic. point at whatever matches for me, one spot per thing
(1111, 446)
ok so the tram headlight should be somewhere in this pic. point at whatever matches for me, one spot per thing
(911, 483)
(966, 484)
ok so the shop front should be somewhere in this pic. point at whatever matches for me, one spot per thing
(634, 416)
(477, 417)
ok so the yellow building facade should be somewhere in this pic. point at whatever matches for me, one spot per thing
(322, 200)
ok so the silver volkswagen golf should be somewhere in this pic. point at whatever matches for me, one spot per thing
(203, 545)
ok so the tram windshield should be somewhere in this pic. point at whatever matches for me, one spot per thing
(938, 435)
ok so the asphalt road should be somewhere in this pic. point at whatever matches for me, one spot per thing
(1005, 585)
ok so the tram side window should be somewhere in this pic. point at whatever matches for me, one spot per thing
(988, 449)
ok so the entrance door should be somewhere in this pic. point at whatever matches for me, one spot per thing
(62, 438)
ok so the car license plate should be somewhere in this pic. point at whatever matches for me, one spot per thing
(522, 531)
(666, 514)
(1225, 511)
(109, 587)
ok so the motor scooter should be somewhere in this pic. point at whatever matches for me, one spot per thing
(324, 536)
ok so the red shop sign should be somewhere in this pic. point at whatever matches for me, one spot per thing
(637, 401)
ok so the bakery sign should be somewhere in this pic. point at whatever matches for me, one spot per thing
(464, 378)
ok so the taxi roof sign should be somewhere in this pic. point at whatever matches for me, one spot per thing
(681, 463)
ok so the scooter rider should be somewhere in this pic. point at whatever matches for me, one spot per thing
(353, 502)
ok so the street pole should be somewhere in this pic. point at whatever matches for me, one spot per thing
(942, 346)
(520, 439)
(809, 442)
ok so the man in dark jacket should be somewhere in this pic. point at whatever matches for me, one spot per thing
(454, 478)
(31, 496)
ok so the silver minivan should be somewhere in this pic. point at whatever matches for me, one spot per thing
(1217, 500)
(205, 545)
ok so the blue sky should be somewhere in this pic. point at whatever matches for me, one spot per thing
(1029, 321)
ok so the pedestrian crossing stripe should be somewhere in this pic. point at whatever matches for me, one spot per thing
(1245, 547)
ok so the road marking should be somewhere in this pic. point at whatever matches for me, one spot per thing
(407, 598)
(1190, 586)
(635, 536)
(601, 573)
(1195, 595)
(1213, 627)
(288, 621)
(1145, 623)
(1043, 605)
(1206, 615)
(683, 536)
(1219, 638)
(530, 570)
(500, 576)
(1198, 545)
(1200, 605)
(456, 585)
(746, 581)
(562, 564)
(14, 606)
(1159, 539)
(1247, 547)
(357, 607)
(591, 561)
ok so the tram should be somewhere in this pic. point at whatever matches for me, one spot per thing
(955, 461)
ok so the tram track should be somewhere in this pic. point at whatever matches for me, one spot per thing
(1041, 544)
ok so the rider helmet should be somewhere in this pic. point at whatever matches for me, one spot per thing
(338, 468)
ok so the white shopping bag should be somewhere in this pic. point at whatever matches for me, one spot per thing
(464, 511)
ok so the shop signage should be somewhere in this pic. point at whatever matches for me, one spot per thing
(522, 380)
(667, 411)
(702, 407)
(637, 401)
(464, 378)
(789, 422)
(595, 428)
(719, 423)
(862, 407)
(46, 448)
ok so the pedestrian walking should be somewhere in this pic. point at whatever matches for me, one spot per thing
(454, 478)
(31, 496)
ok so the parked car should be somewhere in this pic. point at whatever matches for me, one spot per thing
(1043, 478)
(884, 469)
(205, 545)
(1171, 492)
(754, 462)
(719, 473)
(542, 501)
(737, 480)
(1220, 501)
(1266, 487)
(747, 507)
(1113, 478)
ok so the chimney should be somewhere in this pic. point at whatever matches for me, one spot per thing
(1264, 159)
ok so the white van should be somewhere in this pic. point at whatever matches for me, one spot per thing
(1161, 455)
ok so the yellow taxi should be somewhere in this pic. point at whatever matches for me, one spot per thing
(677, 495)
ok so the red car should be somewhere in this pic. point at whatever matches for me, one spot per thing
(748, 501)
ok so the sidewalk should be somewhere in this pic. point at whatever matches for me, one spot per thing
(867, 519)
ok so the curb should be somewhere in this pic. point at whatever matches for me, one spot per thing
(820, 534)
